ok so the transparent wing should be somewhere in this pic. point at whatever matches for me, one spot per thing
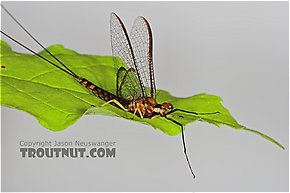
(142, 43)
(129, 86)
(124, 78)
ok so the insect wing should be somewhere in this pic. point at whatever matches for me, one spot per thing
(129, 83)
(142, 43)
(125, 84)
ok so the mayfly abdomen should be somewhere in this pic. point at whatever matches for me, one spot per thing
(101, 93)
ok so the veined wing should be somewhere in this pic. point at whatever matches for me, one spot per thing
(142, 43)
(129, 83)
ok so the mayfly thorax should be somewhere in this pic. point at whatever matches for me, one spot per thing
(135, 83)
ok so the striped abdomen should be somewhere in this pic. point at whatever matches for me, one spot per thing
(101, 93)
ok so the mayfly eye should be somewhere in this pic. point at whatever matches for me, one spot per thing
(167, 106)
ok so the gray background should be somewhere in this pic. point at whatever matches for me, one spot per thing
(236, 50)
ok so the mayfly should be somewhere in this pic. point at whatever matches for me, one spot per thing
(135, 82)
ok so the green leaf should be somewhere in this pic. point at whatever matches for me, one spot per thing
(57, 101)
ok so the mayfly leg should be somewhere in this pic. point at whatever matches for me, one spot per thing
(116, 102)
(182, 131)
(191, 112)
(183, 142)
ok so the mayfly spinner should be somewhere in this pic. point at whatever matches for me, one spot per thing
(135, 85)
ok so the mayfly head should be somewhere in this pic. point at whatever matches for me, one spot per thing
(166, 107)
